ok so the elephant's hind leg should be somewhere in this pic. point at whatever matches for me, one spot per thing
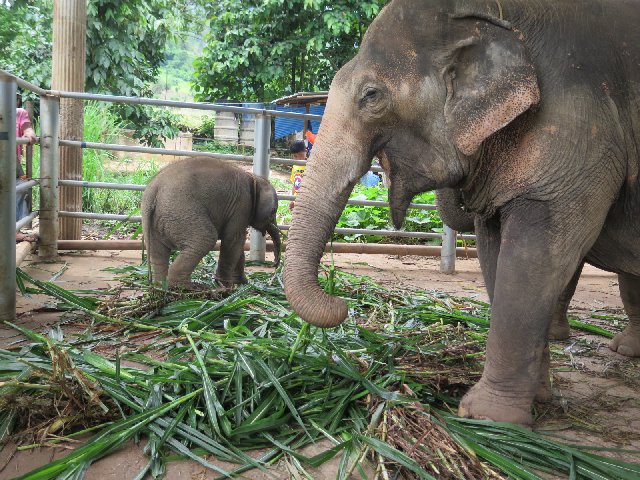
(158, 259)
(627, 342)
(559, 328)
(187, 261)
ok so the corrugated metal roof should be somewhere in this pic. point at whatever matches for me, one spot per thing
(287, 126)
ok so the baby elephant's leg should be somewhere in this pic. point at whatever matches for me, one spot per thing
(231, 263)
(158, 259)
(187, 260)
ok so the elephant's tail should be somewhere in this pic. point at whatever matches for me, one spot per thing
(148, 210)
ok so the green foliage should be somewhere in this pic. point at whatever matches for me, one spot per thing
(376, 218)
(25, 40)
(126, 42)
(219, 147)
(259, 50)
(355, 216)
(102, 125)
(205, 129)
(151, 125)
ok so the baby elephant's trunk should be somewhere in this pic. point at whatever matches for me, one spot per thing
(274, 233)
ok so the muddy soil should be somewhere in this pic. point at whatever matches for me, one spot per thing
(597, 392)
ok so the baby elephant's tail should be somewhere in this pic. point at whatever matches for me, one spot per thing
(157, 252)
(147, 209)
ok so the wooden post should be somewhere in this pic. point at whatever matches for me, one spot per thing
(69, 40)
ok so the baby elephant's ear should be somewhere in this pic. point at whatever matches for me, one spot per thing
(490, 81)
(265, 204)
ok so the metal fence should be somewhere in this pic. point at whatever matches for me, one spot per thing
(48, 181)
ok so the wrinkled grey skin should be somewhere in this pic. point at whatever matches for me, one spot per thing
(450, 205)
(530, 108)
(191, 204)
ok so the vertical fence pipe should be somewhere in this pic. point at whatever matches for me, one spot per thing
(49, 166)
(262, 144)
(7, 197)
(448, 255)
(29, 158)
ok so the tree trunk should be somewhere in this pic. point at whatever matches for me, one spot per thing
(69, 39)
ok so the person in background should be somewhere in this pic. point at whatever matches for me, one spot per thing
(23, 129)
(298, 151)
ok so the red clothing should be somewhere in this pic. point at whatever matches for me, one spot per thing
(22, 120)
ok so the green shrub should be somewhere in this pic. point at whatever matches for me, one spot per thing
(150, 125)
(205, 129)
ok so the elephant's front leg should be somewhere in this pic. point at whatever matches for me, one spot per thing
(531, 270)
(231, 262)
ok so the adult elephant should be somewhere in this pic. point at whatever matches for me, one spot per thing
(453, 212)
(532, 109)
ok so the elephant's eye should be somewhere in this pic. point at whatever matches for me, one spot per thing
(374, 100)
(370, 93)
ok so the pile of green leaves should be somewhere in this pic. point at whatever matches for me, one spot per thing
(231, 372)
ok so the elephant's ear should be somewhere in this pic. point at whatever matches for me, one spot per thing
(265, 203)
(490, 81)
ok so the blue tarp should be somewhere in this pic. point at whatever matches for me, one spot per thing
(287, 126)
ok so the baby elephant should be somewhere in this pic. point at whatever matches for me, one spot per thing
(192, 203)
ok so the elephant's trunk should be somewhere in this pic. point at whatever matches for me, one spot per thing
(450, 206)
(333, 170)
(274, 233)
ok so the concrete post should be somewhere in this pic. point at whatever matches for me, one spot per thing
(262, 144)
(68, 72)
(49, 166)
(448, 256)
(7, 197)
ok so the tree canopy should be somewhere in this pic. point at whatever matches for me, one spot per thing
(255, 49)
(261, 49)
(25, 39)
(126, 41)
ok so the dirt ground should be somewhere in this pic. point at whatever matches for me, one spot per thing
(597, 392)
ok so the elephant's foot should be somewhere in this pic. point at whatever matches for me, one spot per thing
(189, 286)
(559, 329)
(484, 403)
(231, 282)
(627, 342)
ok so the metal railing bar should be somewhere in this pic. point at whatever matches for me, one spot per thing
(112, 186)
(26, 85)
(388, 233)
(159, 102)
(283, 197)
(25, 220)
(368, 203)
(177, 104)
(27, 185)
(101, 216)
(289, 161)
(160, 151)
(24, 141)
(340, 231)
